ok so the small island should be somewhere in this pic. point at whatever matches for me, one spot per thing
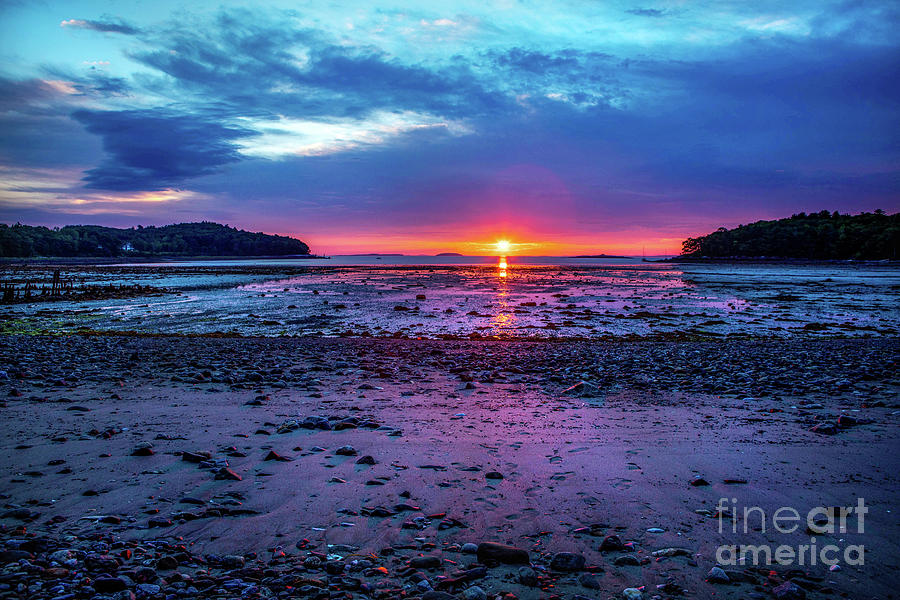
(181, 240)
(599, 256)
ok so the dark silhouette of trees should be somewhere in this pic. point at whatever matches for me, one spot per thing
(183, 239)
(818, 236)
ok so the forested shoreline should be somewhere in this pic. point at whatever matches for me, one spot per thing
(816, 236)
(183, 239)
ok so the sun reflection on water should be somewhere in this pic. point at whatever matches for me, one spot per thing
(503, 318)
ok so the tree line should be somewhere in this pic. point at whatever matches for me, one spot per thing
(183, 239)
(818, 236)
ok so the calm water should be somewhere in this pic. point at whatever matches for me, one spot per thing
(464, 296)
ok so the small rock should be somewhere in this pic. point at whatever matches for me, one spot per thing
(233, 561)
(142, 449)
(612, 543)
(717, 575)
(109, 585)
(527, 577)
(475, 593)
(159, 522)
(195, 457)
(825, 429)
(669, 552)
(147, 589)
(567, 561)
(492, 551)
(346, 451)
(433, 595)
(788, 591)
(425, 562)
(272, 455)
(226, 473)
(632, 594)
(582, 389)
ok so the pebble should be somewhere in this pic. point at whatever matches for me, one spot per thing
(492, 551)
(226, 473)
(142, 449)
(527, 576)
(582, 389)
(717, 575)
(475, 593)
(272, 455)
(788, 591)
(589, 581)
(612, 543)
(425, 562)
(670, 552)
(567, 561)
(627, 561)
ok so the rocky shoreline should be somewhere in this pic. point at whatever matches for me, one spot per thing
(179, 467)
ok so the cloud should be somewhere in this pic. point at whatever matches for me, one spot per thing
(117, 26)
(252, 64)
(157, 149)
(647, 12)
(298, 137)
(90, 82)
(539, 62)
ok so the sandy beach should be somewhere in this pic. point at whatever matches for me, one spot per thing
(350, 468)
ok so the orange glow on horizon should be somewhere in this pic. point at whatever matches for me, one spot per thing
(484, 242)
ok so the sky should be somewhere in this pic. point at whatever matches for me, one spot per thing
(421, 127)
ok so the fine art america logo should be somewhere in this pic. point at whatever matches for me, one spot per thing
(820, 520)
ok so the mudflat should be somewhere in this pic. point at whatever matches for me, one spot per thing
(349, 468)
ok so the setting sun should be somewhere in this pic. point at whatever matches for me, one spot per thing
(503, 245)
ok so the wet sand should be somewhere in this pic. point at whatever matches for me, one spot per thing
(479, 301)
(471, 442)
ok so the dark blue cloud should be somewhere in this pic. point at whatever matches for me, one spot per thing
(106, 26)
(539, 62)
(244, 62)
(36, 128)
(647, 12)
(156, 149)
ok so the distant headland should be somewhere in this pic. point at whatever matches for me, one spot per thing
(203, 239)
